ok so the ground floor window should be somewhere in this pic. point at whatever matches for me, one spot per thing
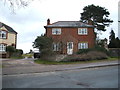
(83, 45)
(56, 46)
(2, 47)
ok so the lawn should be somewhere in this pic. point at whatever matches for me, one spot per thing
(27, 55)
(39, 61)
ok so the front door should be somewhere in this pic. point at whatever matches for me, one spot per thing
(69, 48)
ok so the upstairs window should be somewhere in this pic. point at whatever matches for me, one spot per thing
(2, 47)
(82, 31)
(3, 34)
(82, 45)
(56, 31)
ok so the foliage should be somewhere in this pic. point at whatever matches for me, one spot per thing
(31, 51)
(10, 50)
(44, 44)
(83, 51)
(96, 48)
(13, 52)
(114, 42)
(112, 35)
(18, 53)
(40, 61)
(99, 16)
(27, 55)
(91, 55)
(14, 4)
(102, 42)
(17, 2)
(114, 52)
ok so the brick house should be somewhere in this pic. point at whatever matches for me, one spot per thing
(8, 37)
(70, 36)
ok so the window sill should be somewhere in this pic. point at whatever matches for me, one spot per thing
(83, 34)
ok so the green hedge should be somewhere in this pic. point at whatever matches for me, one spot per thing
(96, 48)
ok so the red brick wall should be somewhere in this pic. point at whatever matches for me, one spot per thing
(71, 34)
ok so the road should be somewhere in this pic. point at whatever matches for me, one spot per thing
(102, 77)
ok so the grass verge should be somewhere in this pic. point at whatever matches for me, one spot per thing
(16, 57)
(27, 55)
(39, 61)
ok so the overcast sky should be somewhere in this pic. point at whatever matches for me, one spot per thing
(29, 22)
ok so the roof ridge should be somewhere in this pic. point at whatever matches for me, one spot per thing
(69, 24)
(66, 21)
(8, 27)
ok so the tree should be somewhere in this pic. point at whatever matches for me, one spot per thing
(44, 44)
(114, 42)
(112, 35)
(13, 4)
(112, 39)
(31, 51)
(117, 42)
(99, 16)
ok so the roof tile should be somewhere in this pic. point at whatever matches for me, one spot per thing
(69, 24)
(7, 27)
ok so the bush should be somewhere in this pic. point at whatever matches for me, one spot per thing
(96, 48)
(91, 55)
(10, 50)
(44, 44)
(17, 54)
(81, 51)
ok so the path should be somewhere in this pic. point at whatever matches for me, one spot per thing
(26, 66)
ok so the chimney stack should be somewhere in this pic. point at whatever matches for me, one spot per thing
(48, 21)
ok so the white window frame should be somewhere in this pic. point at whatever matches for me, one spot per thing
(82, 31)
(2, 48)
(56, 31)
(56, 46)
(3, 34)
(83, 45)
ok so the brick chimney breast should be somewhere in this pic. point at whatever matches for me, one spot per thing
(48, 21)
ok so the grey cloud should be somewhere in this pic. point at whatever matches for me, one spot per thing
(22, 16)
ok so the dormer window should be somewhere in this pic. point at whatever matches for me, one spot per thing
(3, 34)
(82, 31)
(56, 31)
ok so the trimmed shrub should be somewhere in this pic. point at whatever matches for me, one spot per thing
(96, 48)
(81, 51)
(91, 55)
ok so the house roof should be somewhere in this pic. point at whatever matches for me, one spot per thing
(8, 28)
(77, 24)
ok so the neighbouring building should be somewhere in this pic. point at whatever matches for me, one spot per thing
(8, 37)
(70, 36)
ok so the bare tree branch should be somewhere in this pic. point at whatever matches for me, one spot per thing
(16, 4)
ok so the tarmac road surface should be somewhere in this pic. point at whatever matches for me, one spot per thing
(100, 77)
